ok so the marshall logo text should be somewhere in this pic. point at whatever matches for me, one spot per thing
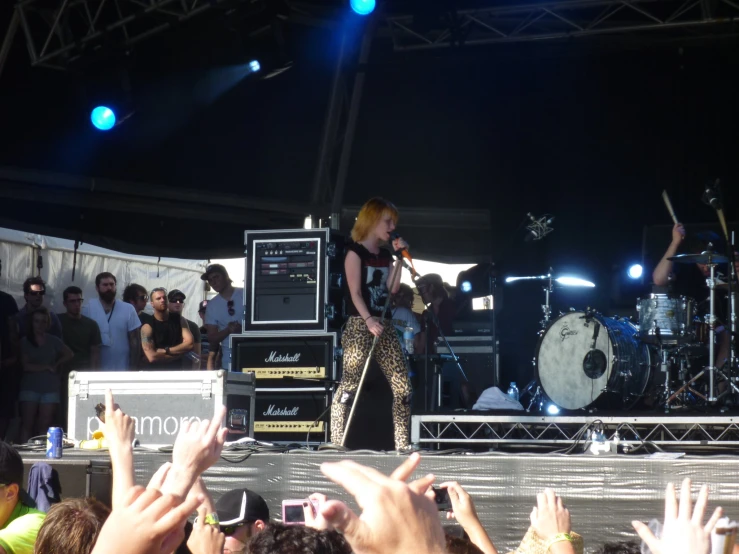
(275, 411)
(275, 358)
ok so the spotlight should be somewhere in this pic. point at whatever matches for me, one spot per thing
(466, 286)
(552, 409)
(362, 7)
(635, 271)
(254, 66)
(103, 118)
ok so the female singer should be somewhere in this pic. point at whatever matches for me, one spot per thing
(369, 272)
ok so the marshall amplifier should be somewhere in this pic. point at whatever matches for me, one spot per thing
(293, 280)
(289, 414)
(279, 360)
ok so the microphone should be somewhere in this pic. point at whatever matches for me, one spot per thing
(403, 252)
(711, 197)
(538, 228)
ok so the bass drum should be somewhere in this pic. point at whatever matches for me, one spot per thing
(585, 357)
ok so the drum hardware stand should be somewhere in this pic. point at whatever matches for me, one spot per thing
(546, 308)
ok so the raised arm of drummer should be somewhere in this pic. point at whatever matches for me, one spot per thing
(661, 273)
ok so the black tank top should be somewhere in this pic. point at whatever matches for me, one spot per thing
(167, 333)
(375, 271)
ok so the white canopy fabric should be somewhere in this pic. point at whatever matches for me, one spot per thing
(19, 253)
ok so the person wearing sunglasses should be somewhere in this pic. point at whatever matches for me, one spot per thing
(137, 296)
(176, 305)
(242, 513)
(19, 521)
(34, 290)
(225, 311)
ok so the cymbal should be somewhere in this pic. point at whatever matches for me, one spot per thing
(561, 280)
(707, 257)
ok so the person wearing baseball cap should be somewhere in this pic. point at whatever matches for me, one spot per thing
(242, 513)
(225, 312)
(19, 522)
(176, 304)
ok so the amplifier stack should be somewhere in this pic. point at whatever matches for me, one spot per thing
(294, 309)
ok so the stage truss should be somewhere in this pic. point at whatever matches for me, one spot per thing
(562, 19)
(460, 430)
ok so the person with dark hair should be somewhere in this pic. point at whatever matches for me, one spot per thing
(136, 295)
(630, 547)
(19, 521)
(436, 298)
(71, 527)
(42, 354)
(119, 326)
(242, 514)
(176, 303)
(690, 280)
(81, 333)
(82, 336)
(34, 290)
(297, 539)
(225, 312)
(365, 259)
(166, 338)
(459, 545)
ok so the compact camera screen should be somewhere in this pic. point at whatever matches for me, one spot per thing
(443, 503)
(294, 514)
(292, 511)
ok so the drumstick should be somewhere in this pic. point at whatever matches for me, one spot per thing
(666, 198)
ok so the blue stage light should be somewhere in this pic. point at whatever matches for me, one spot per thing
(635, 271)
(363, 7)
(466, 286)
(552, 409)
(255, 66)
(103, 118)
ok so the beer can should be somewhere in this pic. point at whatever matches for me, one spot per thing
(54, 447)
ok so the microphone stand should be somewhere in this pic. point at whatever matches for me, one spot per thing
(435, 321)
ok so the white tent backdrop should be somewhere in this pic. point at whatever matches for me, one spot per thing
(19, 253)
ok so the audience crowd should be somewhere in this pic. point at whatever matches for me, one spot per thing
(39, 348)
(398, 515)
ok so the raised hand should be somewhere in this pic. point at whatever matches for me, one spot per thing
(550, 517)
(120, 431)
(145, 522)
(316, 519)
(205, 538)
(683, 532)
(384, 499)
(198, 446)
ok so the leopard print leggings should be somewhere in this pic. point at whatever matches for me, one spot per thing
(357, 341)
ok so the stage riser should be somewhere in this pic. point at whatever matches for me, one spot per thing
(603, 493)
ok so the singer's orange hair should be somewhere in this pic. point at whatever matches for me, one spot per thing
(370, 214)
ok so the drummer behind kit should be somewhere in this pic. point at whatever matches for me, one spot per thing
(586, 361)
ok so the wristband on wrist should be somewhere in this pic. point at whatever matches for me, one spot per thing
(559, 537)
(166, 351)
(368, 317)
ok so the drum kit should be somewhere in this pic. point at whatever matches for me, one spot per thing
(585, 360)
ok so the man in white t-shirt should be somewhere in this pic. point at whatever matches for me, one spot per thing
(225, 312)
(119, 326)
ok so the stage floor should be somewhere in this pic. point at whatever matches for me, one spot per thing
(604, 493)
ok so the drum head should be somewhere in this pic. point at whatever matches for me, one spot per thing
(572, 374)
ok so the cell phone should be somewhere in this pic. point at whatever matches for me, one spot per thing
(443, 504)
(292, 511)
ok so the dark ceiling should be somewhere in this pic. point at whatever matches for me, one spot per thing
(590, 130)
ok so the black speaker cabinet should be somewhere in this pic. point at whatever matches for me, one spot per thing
(292, 415)
(293, 280)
